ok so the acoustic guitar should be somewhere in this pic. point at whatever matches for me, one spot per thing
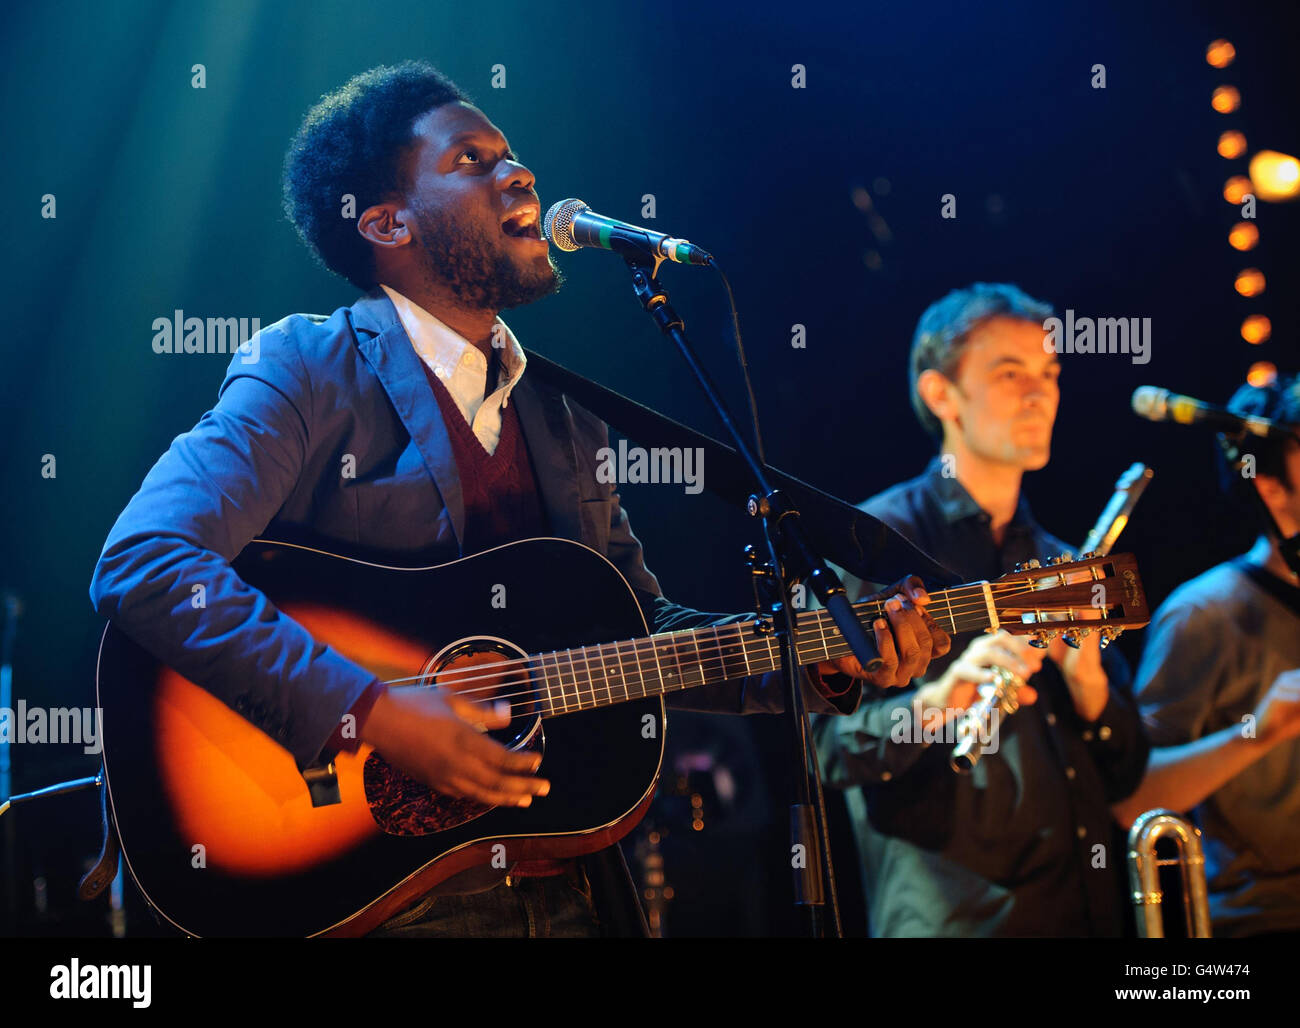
(226, 836)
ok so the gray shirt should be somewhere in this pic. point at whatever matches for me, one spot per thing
(1215, 647)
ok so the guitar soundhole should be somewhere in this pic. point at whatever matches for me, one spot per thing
(485, 670)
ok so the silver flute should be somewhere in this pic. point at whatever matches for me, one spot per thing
(979, 723)
(976, 727)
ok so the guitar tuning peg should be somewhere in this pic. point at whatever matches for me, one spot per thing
(1089, 555)
(1071, 639)
(1109, 635)
(1066, 558)
(1039, 641)
(1028, 565)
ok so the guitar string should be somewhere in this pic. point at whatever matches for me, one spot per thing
(718, 654)
(821, 622)
(822, 619)
(579, 685)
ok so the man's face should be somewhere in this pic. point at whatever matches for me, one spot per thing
(1282, 500)
(1006, 393)
(476, 220)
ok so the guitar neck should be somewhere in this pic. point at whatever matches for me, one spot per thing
(588, 677)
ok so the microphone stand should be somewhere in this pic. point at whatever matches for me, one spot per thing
(791, 558)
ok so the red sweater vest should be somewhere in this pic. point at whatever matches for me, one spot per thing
(502, 503)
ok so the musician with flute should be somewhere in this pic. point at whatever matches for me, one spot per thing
(1022, 845)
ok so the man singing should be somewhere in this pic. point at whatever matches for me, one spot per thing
(1023, 845)
(421, 391)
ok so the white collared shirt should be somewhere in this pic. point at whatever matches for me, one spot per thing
(462, 368)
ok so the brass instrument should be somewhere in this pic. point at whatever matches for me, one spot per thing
(1144, 873)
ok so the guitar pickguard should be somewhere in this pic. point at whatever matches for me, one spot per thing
(401, 805)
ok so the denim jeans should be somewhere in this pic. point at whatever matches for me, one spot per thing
(554, 907)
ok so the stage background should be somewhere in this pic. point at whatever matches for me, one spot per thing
(1106, 201)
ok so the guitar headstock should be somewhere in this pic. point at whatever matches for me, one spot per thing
(1072, 598)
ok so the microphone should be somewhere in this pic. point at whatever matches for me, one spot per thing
(1162, 405)
(571, 224)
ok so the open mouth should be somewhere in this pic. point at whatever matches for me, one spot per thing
(524, 223)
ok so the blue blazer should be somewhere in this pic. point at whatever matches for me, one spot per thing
(268, 460)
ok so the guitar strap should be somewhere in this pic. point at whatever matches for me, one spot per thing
(861, 544)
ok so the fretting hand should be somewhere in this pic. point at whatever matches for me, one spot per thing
(906, 638)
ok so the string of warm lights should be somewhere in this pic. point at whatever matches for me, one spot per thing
(1272, 177)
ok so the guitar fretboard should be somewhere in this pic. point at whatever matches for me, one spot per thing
(587, 677)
